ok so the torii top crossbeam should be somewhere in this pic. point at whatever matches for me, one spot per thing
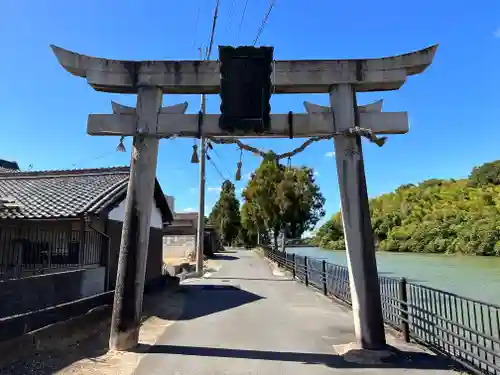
(203, 77)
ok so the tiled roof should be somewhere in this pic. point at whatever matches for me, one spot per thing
(57, 194)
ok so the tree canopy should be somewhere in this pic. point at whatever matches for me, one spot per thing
(281, 198)
(488, 173)
(300, 201)
(277, 198)
(435, 216)
(225, 216)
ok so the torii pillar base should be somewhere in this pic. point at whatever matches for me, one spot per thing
(122, 341)
(355, 353)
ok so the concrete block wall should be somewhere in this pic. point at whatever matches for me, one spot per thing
(92, 281)
(178, 246)
(20, 296)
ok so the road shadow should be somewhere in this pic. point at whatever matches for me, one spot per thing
(223, 257)
(401, 359)
(202, 300)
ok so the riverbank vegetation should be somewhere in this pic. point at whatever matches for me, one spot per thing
(435, 216)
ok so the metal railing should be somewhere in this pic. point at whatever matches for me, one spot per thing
(466, 330)
(27, 251)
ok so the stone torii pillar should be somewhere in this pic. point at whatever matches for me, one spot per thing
(360, 249)
(358, 234)
(132, 260)
(340, 78)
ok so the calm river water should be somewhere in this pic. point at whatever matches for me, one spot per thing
(469, 276)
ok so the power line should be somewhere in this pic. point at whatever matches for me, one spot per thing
(218, 157)
(196, 24)
(212, 34)
(216, 168)
(241, 20)
(231, 14)
(264, 21)
(93, 158)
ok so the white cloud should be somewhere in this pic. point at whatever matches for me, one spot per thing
(214, 189)
(330, 154)
(189, 209)
(316, 173)
(193, 190)
(496, 34)
(249, 175)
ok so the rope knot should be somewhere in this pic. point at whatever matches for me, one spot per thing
(368, 134)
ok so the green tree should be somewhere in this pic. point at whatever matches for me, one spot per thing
(488, 173)
(225, 215)
(331, 234)
(300, 201)
(247, 238)
(261, 209)
(281, 198)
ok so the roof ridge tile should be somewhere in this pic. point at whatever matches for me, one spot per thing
(65, 172)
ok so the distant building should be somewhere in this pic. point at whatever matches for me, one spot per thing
(179, 239)
(8, 166)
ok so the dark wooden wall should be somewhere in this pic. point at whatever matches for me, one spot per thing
(155, 251)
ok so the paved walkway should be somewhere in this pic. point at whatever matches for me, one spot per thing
(243, 319)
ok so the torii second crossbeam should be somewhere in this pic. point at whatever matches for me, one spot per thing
(319, 121)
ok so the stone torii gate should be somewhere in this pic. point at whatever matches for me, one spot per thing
(149, 122)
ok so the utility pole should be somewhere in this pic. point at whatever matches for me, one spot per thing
(201, 200)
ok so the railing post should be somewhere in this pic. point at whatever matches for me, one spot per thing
(325, 291)
(306, 276)
(403, 303)
(293, 265)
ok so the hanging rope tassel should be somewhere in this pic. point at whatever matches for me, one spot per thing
(238, 171)
(121, 146)
(238, 166)
(194, 156)
(379, 141)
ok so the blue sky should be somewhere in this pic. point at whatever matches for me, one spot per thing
(453, 106)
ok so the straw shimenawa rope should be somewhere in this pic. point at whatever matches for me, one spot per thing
(367, 133)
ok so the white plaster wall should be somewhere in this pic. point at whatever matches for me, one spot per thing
(170, 201)
(93, 281)
(118, 214)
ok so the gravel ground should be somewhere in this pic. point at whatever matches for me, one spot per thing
(52, 361)
(91, 355)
